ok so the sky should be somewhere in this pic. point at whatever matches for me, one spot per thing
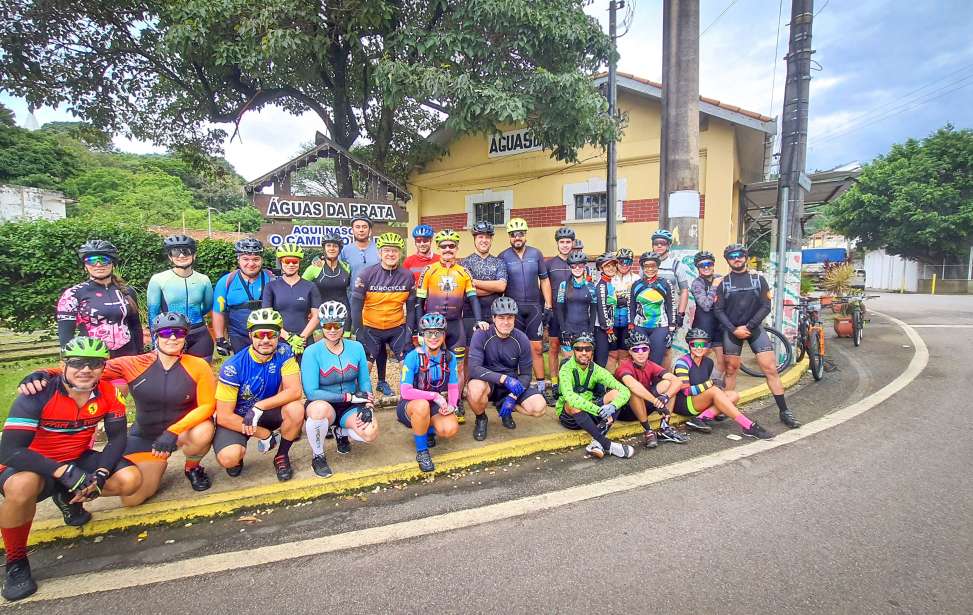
(888, 70)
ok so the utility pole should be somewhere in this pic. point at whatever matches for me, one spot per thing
(679, 201)
(611, 196)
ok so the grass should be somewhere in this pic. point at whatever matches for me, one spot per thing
(11, 373)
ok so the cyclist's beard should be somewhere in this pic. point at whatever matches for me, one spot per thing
(738, 270)
(75, 387)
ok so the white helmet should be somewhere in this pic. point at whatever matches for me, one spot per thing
(332, 311)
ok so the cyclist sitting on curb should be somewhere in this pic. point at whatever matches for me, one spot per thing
(424, 256)
(174, 405)
(296, 299)
(334, 374)
(653, 390)
(742, 303)
(699, 399)
(180, 289)
(428, 373)
(501, 363)
(46, 451)
(577, 407)
(237, 294)
(259, 392)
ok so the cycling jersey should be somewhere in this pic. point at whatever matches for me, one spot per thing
(46, 430)
(191, 296)
(650, 303)
(674, 272)
(109, 313)
(623, 287)
(445, 289)
(423, 371)
(577, 387)
(742, 299)
(237, 296)
(558, 271)
(604, 314)
(247, 377)
(417, 263)
(492, 357)
(328, 376)
(695, 377)
(647, 375)
(333, 282)
(489, 269)
(523, 274)
(293, 301)
(380, 297)
(704, 294)
(359, 259)
(575, 307)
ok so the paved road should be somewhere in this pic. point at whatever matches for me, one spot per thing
(871, 516)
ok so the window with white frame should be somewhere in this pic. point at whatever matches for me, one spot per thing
(491, 205)
(592, 205)
(489, 211)
(588, 201)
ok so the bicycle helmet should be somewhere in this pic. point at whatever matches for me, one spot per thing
(248, 245)
(578, 244)
(423, 230)
(332, 311)
(447, 234)
(584, 336)
(432, 321)
(178, 241)
(482, 227)
(334, 238)
(98, 247)
(265, 318)
(703, 256)
(625, 253)
(563, 233)
(85, 347)
(289, 249)
(636, 338)
(389, 240)
(577, 258)
(604, 259)
(516, 224)
(649, 256)
(662, 234)
(170, 320)
(504, 306)
(363, 219)
(735, 247)
(697, 334)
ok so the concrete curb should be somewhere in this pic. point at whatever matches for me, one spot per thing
(218, 504)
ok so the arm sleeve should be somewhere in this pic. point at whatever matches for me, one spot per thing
(702, 295)
(153, 299)
(67, 316)
(452, 387)
(207, 298)
(267, 297)
(575, 400)
(115, 429)
(406, 388)
(364, 380)
(525, 365)
(357, 305)
(560, 305)
(134, 321)
(603, 319)
(681, 370)
(311, 273)
(719, 308)
(18, 433)
(764, 306)
(475, 352)
(412, 314)
(205, 395)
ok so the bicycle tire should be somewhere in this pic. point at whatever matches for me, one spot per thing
(800, 342)
(815, 354)
(784, 352)
(857, 327)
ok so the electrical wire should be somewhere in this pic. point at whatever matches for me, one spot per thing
(728, 7)
(517, 183)
(773, 79)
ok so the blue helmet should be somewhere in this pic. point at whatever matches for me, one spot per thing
(662, 234)
(423, 230)
(432, 320)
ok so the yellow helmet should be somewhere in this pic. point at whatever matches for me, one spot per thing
(517, 224)
(447, 234)
(392, 240)
(289, 249)
(265, 318)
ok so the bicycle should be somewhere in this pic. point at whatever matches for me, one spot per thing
(782, 350)
(856, 310)
(810, 336)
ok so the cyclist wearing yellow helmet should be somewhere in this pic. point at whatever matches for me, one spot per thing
(295, 298)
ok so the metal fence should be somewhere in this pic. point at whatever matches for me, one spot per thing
(945, 272)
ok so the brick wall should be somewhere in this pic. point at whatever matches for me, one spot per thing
(641, 210)
(453, 221)
(540, 216)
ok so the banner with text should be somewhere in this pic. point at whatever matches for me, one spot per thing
(327, 208)
(311, 235)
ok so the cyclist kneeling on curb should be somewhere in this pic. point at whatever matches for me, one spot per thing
(428, 372)
(577, 407)
(699, 399)
(334, 373)
(259, 392)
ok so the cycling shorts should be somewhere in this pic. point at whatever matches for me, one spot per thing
(456, 338)
(684, 406)
(498, 392)
(138, 450)
(621, 334)
(626, 414)
(530, 320)
(759, 342)
(554, 327)
(271, 419)
(199, 343)
(403, 416)
(88, 461)
(397, 338)
(342, 410)
(567, 421)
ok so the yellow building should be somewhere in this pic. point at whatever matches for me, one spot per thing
(497, 177)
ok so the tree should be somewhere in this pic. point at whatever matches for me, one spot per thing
(86, 134)
(916, 201)
(7, 117)
(178, 72)
(34, 159)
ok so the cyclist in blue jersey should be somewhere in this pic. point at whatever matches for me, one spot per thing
(259, 393)
(237, 294)
(295, 298)
(627, 275)
(334, 374)
(650, 307)
(184, 291)
(361, 251)
(529, 285)
(559, 270)
(430, 389)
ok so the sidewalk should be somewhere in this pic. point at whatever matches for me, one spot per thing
(390, 459)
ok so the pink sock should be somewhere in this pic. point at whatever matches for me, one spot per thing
(709, 414)
(743, 421)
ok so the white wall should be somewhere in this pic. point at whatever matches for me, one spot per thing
(18, 202)
(888, 272)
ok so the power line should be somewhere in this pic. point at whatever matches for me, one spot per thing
(728, 7)
(818, 12)
(517, 183)
(773, 79)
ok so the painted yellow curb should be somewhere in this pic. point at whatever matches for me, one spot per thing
(216, 504)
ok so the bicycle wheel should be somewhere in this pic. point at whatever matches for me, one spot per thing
(799, 350)
(782, 351)
(815, 353)
(857, 327)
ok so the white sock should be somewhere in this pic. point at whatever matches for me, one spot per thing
(316, 430)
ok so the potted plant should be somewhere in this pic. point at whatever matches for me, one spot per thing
(837, 282)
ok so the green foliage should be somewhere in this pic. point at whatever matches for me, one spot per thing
(214, 257)
(34, 159)
(916, 201)
(86, 134)
(7, 117)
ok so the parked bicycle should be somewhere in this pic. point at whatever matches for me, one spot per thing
(855, 308)
(783, 351)
(810, 336)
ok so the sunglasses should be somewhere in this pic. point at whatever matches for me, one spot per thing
(660, 243)
(81, 363)
(97, 259)
(517, 234)
(264, 335)
(699, 344)
(624, 261)
(735, 255)
(706, 264)
(433, 334)
(332, 326)
(423, 240)
(290, 261)
(175, 332)
(639, 349)
(447, 246)
(584, 348)
(181, 252)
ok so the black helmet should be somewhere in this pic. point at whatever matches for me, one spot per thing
(578, 244)
(363, 219)
(735, 247)
(178, 241)
(584, 336)
(625, 253)
(636, 338)
(482, 227)
(577, 258)
(703, 256)
(98, 247)
(170, 320)
(563, 233)
(504, 306)
(649, 256)
(697, 334)
(334, 238)
(604, 259)
(248, 246)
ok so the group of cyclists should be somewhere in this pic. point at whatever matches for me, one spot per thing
(300, 346)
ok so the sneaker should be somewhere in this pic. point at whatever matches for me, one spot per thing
(460, 413)
(756, 431)
(595, 450)
(18, 584)
(550, 395)
(269, 443)
(343, 442)
(649, 439)
(320, 466)
(787, 418)
(198, 478)
(431, 440)
(74, 514)
(621, 450)
(480, 428)
(424, 459)
(282, 463)
(235, 470)
(698, 425)
(508, 422)
(383, 388)
(671, 434)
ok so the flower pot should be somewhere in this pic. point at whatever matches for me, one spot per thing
(826, 300)
(842, 326)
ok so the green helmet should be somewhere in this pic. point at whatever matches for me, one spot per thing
(289, 249)
(389, 240)
(265, 318)
(85, 347)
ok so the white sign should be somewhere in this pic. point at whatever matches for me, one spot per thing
(513, 142)
(307, 235)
